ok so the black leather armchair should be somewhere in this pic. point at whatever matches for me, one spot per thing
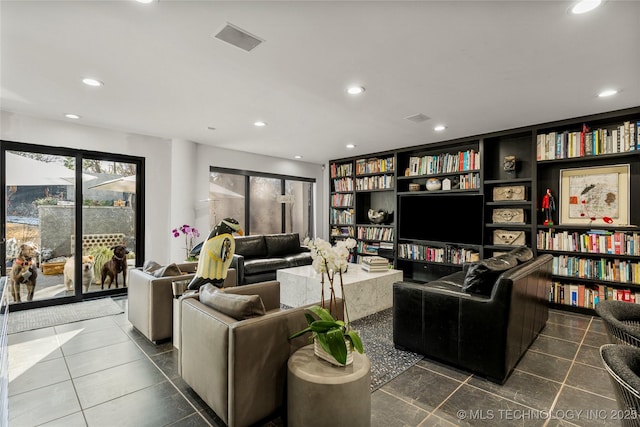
(485, 334)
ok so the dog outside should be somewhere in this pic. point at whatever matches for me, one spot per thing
(29, 279)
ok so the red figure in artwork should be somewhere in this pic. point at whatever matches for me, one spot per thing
(548, 206)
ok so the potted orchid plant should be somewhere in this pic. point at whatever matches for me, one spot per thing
(190, 233)
(334, 339)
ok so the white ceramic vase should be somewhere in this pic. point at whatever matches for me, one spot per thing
(322, 354)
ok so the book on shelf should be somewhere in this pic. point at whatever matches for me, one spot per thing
(588, 142)
(589, 295)
(374, 263)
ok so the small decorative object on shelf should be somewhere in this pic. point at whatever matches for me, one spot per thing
(333, 338)
(548, 207)
(434, 184)
(509, 166)
(377, 216)
(414, 187)
(446, 184)
(512, 192)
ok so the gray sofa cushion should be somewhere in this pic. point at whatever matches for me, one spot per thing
(238, 306)
(282, 244)
(157, 270)
(260, 265)
(251, 246)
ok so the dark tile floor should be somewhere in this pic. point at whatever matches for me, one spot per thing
(102, 372)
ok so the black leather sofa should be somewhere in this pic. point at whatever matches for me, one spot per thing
(257, 258)
(483, 333)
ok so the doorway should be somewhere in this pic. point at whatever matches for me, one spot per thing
(64, 213)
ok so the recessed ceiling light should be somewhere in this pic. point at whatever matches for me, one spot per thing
(584, 6)
(608, 92)
(297, 157)
(72, 116)
(92, 82)
(259, 123)
(439, 128)
(350, 146)
(355, 90)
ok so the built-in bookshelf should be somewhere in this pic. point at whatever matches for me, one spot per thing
(341, 213)
(449, 204)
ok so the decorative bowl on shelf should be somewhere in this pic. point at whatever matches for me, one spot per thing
(433, 184)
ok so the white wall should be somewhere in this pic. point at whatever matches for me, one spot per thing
(177, 174)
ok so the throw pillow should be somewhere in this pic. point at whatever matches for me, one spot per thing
(481, 276)
(150, 266)
(240, 307)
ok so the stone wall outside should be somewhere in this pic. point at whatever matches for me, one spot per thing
(57, 225)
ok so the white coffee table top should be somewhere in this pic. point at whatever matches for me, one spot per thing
(354, 274)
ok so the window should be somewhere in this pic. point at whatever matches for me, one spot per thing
(262, 203)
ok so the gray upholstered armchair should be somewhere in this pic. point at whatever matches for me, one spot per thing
(238, 367)
(150, 306)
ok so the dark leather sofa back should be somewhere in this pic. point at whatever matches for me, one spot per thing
(484, 334)
(251, 246)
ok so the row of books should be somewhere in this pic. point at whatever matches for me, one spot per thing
(470, 181)
(373, 248)
(338, 231)
(342, 199)
(376, 233)
(343, 184)
(611, 270)
(345, 169)
(444, 163)
(364, 166)
(382, 182)
(448, 254)
(374, 263)
(341, 216)
(588, 296)
(562, 145)
(594, 241)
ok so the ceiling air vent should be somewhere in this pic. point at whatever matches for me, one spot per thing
(238, 37)
(418, 118)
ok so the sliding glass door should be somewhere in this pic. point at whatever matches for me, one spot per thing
(64, 214)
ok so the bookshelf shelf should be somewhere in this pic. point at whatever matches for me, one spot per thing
(589, 254)
(506, 181)
(509, 203)
(594, 281)
(509, 226)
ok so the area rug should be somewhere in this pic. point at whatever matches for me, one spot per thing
(26, 320)
(387, 362)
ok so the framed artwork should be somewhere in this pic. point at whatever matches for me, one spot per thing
(595, 195)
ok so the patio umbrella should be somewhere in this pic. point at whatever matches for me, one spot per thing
(125, 184)
(26, 171)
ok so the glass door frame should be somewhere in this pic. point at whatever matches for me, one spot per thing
(79, 155)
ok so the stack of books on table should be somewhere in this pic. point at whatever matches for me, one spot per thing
(375, 263)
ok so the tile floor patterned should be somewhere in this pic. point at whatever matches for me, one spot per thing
(102, 372)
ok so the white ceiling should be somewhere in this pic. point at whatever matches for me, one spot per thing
(477, 66)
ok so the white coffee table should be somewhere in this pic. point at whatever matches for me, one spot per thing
(365, 293)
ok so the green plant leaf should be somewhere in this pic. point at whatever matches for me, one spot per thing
(337, 346)
(310, 318)
(322, 339)
(302, 332)
(323, 326)
(356, 341)
(322, 313)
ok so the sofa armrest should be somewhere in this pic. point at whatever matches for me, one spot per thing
(238, 264)
(269, 292)
(150, 306)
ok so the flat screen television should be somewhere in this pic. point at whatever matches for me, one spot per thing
(454, 218)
